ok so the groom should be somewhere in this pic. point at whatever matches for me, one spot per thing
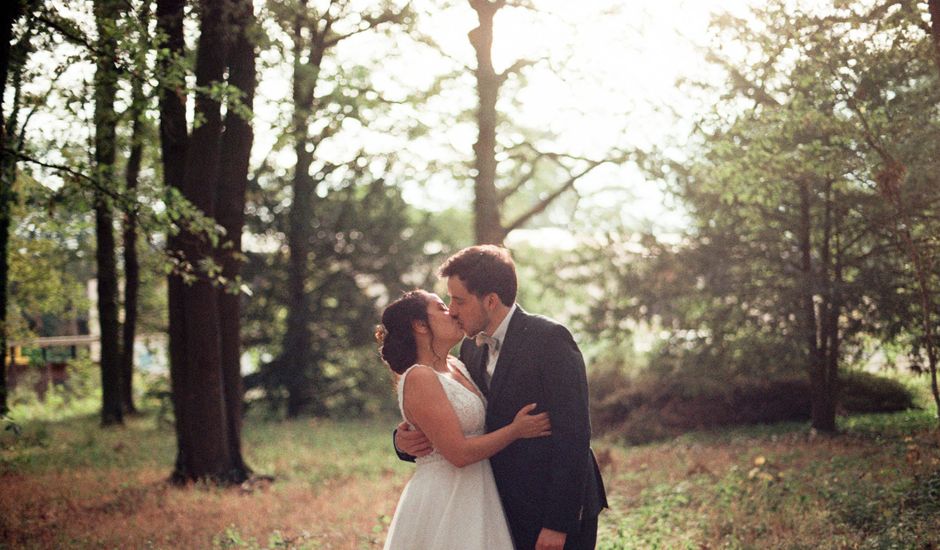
(550, 487)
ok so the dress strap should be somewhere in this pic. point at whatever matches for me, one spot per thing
(400, 387)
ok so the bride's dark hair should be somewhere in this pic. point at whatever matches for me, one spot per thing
(396, 333)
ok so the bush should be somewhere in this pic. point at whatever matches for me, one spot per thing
(863, 392)
(648, 408)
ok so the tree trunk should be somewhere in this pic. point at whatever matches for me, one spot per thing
(7, 177)
(131, 264)
(487, 224)
(200, 385)
(934, 8)
(825, 391)
(204, 391)
(301, 375)
(233, 181)
(174, 141)
(811, 324)
(131, 283)
(926, 296)
(107, 13)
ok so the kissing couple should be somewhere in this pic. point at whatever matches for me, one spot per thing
(501, 435)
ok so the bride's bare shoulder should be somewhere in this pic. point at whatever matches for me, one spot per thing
(420, 374)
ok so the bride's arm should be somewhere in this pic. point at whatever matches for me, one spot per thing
(427, 406)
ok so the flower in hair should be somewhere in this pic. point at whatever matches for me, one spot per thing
(380, 333)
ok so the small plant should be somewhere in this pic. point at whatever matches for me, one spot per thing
(10, 425)
(232, 538)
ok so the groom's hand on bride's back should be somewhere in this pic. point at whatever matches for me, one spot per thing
(412, 441)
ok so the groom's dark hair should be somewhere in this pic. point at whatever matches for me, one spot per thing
(484, 269)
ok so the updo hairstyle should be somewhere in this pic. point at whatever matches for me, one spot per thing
(396, 335)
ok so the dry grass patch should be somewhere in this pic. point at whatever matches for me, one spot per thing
(327, 492)
(71, 485)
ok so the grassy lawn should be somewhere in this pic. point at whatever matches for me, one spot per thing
(67, 483)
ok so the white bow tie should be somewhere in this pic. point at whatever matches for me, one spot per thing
(485, 339)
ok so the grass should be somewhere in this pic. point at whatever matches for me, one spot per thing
(66, 483)
(876, 485)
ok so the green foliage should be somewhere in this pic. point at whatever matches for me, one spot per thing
(50, 260)
(10, 425)
(79, 394)
(370, 246)
(790, 241)
(777, 487)
(232, 538)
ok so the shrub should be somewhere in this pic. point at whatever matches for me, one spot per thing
(863, 392)
(647, 408)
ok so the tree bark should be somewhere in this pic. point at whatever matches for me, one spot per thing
(815, 359)
(204, 391)
(825, 390)
(487, 223)
(7, 176)
(301, 375)
(131, 263)
(233, 181)
(107, 13)
(934, 8)
(174, 141)
(204, 322)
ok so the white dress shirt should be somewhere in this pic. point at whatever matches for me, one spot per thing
(499, 334)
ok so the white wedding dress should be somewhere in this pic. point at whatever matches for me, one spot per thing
(444, 507)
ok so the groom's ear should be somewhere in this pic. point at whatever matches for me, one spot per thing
(491, 301)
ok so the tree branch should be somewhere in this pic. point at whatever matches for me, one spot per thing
(515, 187)
(543, 204)
(130, 205)
(517, 67)
(422, 38)
(371, 23)
(742, 84)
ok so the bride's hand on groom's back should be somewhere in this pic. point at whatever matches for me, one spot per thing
(412, 441)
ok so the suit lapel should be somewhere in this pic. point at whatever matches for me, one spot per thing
(515, 336)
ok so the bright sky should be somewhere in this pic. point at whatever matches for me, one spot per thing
(611, 82)
(617, 88)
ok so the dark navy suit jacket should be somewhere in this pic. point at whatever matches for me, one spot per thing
(553, 481)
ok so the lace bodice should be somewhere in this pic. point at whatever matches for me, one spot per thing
(470, 408)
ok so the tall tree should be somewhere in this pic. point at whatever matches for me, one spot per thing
(491, 225)
(922, 264)
(313, 33)
(107, 13)
(130, 222)
(7, 175)
(790, 258)
(236, 145)
(174, 139)
(206, 416)
(487, 222)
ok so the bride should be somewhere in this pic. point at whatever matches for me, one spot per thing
(451, 501)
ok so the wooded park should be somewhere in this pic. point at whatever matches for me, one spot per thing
(205, 206)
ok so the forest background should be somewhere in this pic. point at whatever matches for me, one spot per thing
(733, 206)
